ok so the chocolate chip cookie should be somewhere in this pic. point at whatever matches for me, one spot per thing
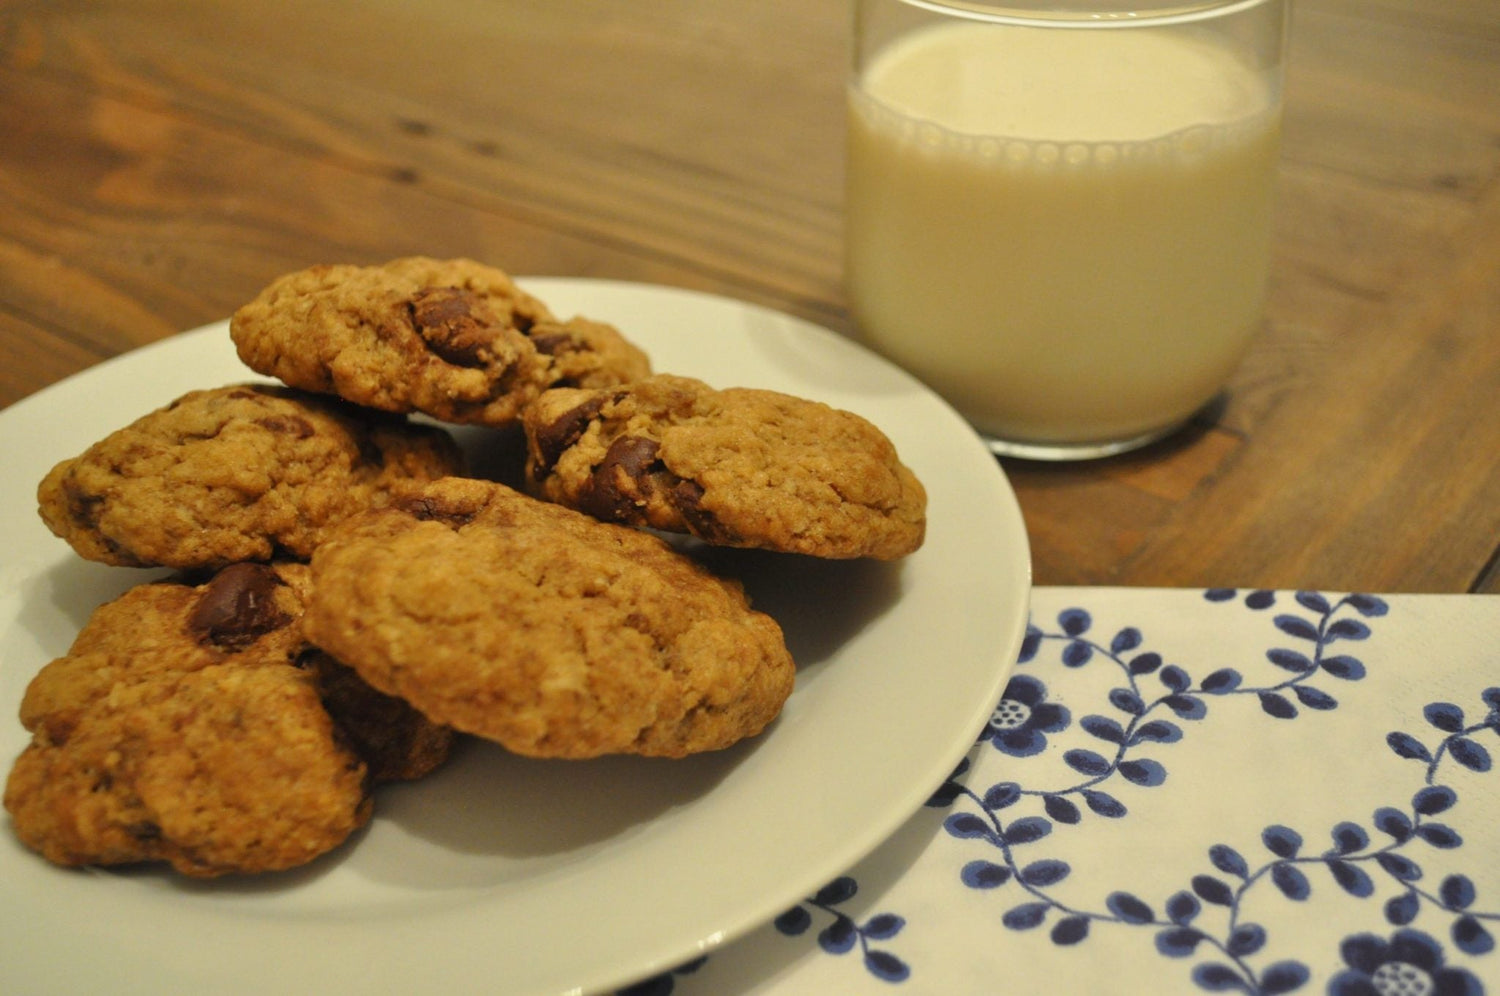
(737, 467)
(246, 472)
(452, 338)
(187, 725)
(542, 629)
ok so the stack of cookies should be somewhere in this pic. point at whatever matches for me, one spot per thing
(349, 599)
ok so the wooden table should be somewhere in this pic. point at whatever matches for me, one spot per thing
(161, 160)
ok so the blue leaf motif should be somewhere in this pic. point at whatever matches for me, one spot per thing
(1104, 728)
(1086, 762)
(1445, 716)
(1070, 930)
(1104, 804)
(1471, 937)
(1074, 621)
(1213, 890)
(1030, 644)
(1261, 599)
(1283, 977)
(1440, 835)
(1144, 663)
(1408, 746)
(1175, 678)
(1217, 978)
(984, 875)
(1402, 909)
(1351, 878)
(1399, 866)
(1457, 892)
(1368, 605)
(1277, 705)
(1290, 660)
(1045, 873)
(1158, 731)
(1177, 942)
(1128, 908)
(1315, 698)
(1228, 860)
(1469, 754)
(883, 926)
(794, 921)
(1126, 639)
(1002, 795)
(1394, 822)
(1183, 907)
(1061, 809)
(838, 937)
(1187, 706)
(1246, 939)
(1026, 916)
(1219, 594)
(1143, 771)
(968, 826)
(1077, 653)
(1350, 837)
(1284, 842)
(1126, 701)
(1296, 626)
(1027, 830)
(1226, 679)
(884, 965)
(840, 890)
(1434, 799)
(1345, 667)
(1292, 883)
(1348, 629)
(1314, 602)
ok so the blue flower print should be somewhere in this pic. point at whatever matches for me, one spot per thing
(1021, 722)
(1411, 963)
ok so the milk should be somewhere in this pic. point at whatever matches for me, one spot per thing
(1062, 264)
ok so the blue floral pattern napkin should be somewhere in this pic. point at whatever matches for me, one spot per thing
(1188, 792)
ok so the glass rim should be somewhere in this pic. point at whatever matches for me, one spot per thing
(1088, 14)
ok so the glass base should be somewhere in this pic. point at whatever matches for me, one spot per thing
(1063, 452)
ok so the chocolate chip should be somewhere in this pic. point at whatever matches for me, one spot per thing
(552, 343)
(550, 440)
(292, 425)
(687, 498)
(444, 318)
(424, 509)
(237, 607)
(615, 488)
(144, 831)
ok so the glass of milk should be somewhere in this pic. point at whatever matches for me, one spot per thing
(1058, 215)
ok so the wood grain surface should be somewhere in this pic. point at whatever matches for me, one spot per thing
(162, 160)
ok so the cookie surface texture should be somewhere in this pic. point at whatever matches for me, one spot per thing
(452, 338)
(737, 467)
(178, 728)
(546, 631)
(244, 472)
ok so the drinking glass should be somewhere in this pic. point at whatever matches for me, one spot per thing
(1058, 215)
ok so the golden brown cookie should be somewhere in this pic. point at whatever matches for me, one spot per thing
(452, 338)
(245, 472)
(185, 726)
(738, 467)
(544, 630)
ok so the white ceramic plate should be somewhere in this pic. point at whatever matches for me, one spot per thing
(501, 874)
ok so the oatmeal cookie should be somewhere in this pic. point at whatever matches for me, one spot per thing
(737, 467)
(245, 472)
(186, 726)
(544, 630)
(452, 338)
